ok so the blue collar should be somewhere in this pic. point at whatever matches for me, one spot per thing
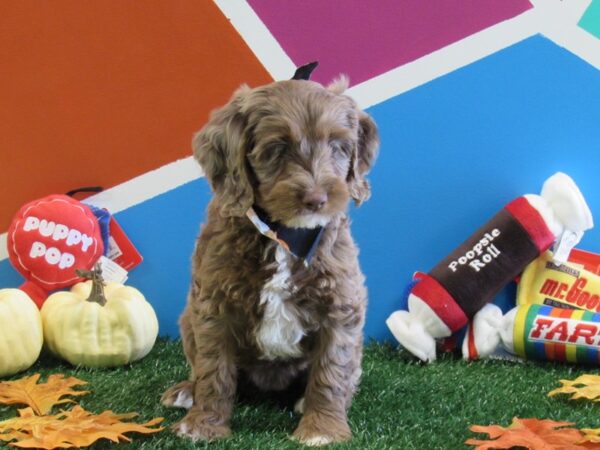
(300, 242)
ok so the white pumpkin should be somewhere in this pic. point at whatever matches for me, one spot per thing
(21, 336)
(83, 331)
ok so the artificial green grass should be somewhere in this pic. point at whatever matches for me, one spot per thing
(402, 403)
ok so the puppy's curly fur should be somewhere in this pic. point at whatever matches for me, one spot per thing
(300, 151)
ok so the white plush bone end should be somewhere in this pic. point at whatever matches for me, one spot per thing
(486, 331)
(567, 202)
(411, 334)
(424, 314)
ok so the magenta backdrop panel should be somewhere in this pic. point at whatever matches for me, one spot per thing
(364, 38)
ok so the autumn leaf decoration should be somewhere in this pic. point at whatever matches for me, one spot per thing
(74, 428)
(586, 386)
(583, 387)
(40, 397)
(532, 434)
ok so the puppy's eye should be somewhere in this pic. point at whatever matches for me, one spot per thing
(339, 148)
(269, 154)
(276, 153)
(276, 150)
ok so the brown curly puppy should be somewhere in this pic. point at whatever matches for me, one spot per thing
(299, 151)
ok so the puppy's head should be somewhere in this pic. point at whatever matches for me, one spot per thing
(298, 150)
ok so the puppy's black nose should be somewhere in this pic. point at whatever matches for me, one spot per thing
(315, 200)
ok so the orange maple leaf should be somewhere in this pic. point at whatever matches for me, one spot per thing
(532, 434)
(16, 428)
(40, 397)
(75, 428)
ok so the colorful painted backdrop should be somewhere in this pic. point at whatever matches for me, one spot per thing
(477, 102)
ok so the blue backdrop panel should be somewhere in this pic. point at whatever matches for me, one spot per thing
(164, 230)
(9, 278)
(455, 150)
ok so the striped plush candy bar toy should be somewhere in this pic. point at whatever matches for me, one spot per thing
(442, 301)
(536, 331)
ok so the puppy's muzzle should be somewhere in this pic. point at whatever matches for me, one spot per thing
(314, 200)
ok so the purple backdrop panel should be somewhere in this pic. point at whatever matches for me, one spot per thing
(366, 38)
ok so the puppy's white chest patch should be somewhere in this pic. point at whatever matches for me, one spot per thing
(280, 331)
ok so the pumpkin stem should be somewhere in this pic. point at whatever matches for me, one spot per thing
(97, 292)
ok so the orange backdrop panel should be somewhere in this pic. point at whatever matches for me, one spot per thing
(97, 92)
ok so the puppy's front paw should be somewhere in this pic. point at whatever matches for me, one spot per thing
(200, 427)
(299, 406)
(316, 430)
(180, 395)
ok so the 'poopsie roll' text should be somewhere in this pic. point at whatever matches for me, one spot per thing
(480, 255)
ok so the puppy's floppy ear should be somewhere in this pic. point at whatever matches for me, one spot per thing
(220, 147)
(363, 157)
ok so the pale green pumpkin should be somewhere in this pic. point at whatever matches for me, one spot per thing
(21, 336)
(97, 325)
